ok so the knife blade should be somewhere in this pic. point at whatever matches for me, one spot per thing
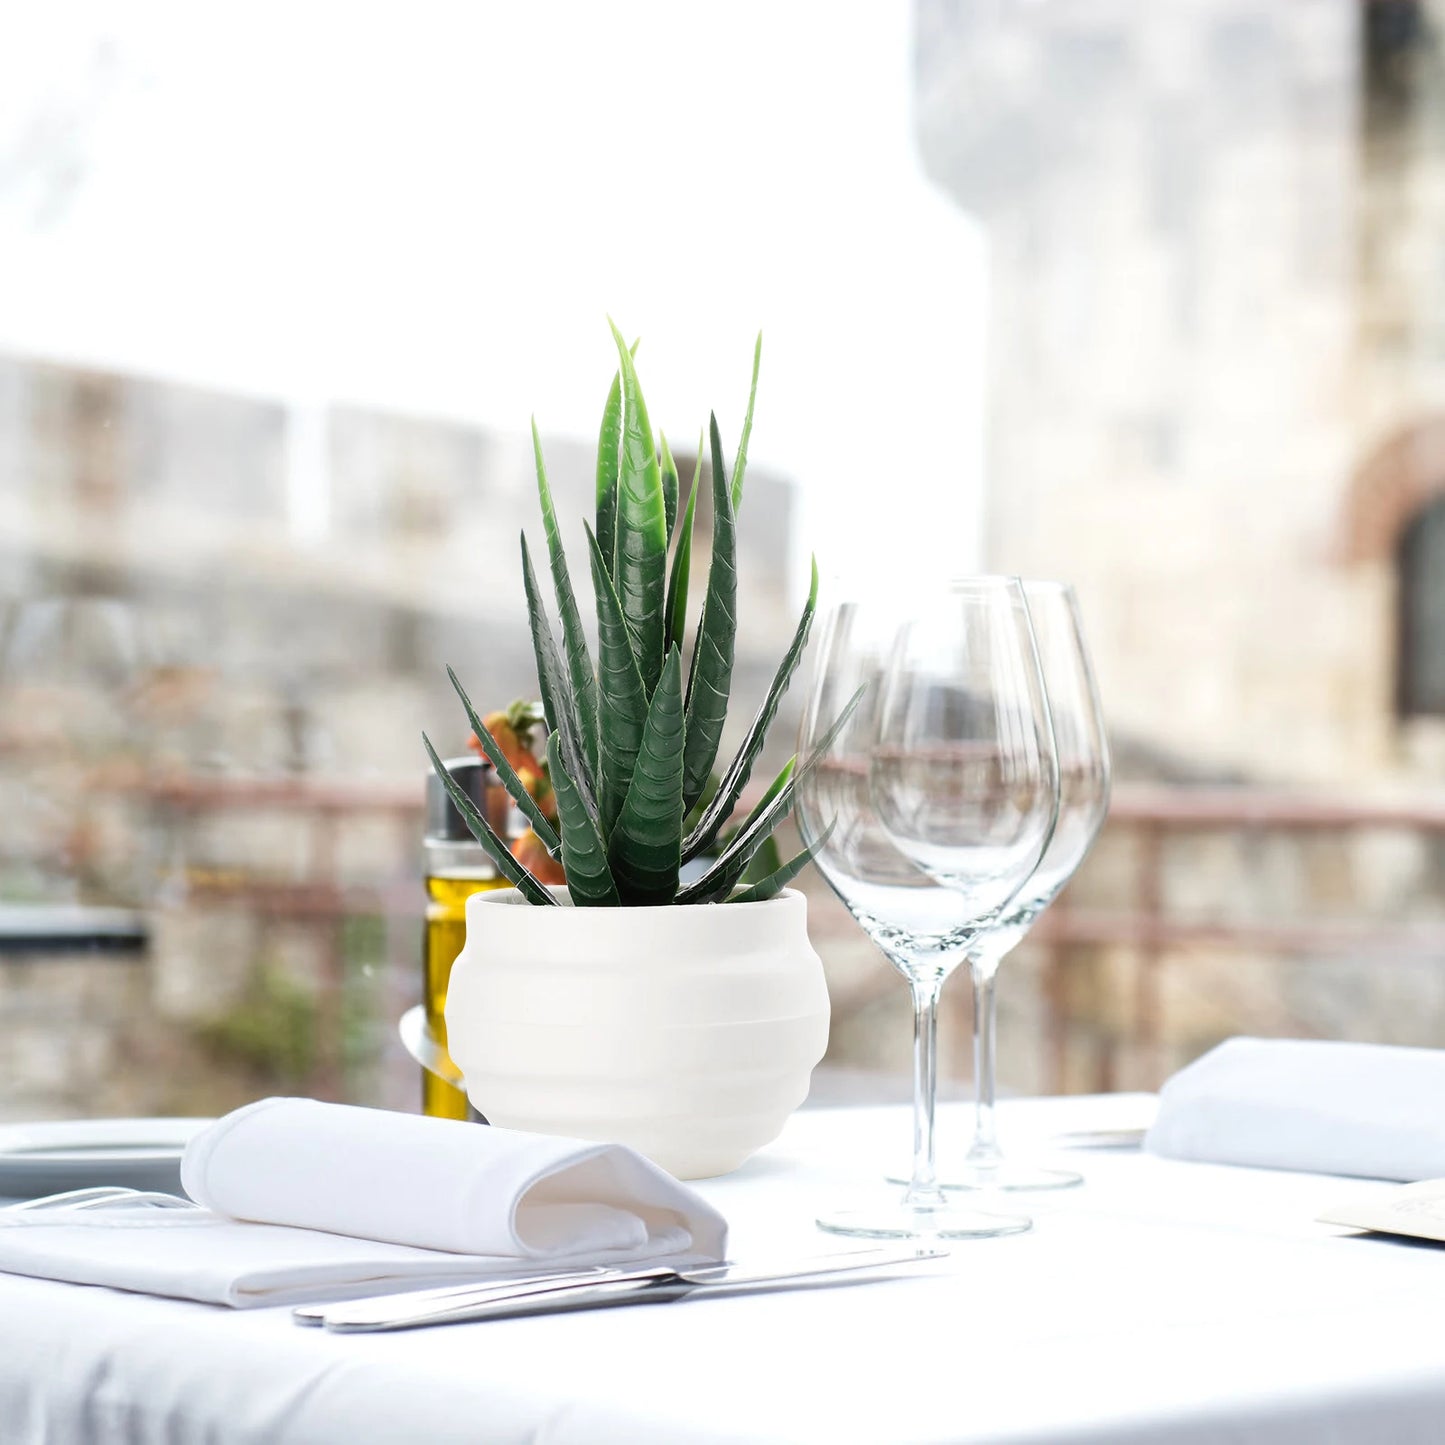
(1099, 1139)
(657, 1285)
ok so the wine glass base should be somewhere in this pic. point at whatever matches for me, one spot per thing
(898, 1222)
(1007, 1177)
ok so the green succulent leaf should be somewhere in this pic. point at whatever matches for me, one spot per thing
(552, 682)
(785, 776)
(622, 700)
(766, 860)
(608, 440)
(669, 483)
(779, 879)
(735, 780)
(584, 854)
(645, 847)
(574, 640)
(715, 455)
(700, 807)
(712, 655)
(740, 463)
(729, 877)
(481, 830)
(508, 774)
(679, 577)
(609, 450)
(719, 880)
(640, 573)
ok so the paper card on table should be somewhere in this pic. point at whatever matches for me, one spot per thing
(1417, 1210)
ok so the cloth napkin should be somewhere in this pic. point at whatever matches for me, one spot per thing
(308, 1201)
(1369, 1110)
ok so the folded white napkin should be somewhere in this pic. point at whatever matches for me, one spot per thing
(1369, 1110)
(304, 1200)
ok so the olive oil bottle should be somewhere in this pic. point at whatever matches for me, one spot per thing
(456, 867)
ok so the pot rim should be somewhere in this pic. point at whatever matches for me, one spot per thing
(512, 898)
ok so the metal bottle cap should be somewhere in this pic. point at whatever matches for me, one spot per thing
(443, 821)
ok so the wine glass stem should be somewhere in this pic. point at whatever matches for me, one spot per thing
(984, 1151)
(923, 1191)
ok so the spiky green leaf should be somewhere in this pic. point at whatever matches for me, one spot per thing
(641, 571)
(584, 854)
(759, 837)
(669, 483)
(645, 847)
(712, 656)
(553, 683)
(766, 860)
(719, 880)
(779, 879)
(735, 780)
(679, 577)
(740, 463)
(785, 774)
(574, 640)
(508, 774)
(481, 830)
(608, 440)
(621, 698)
(609, 447)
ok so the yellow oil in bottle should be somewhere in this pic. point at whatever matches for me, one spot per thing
(446, 932)
(456, 867)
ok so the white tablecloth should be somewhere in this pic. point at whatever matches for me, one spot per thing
(1163, 1301)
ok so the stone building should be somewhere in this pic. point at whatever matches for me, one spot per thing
(1217, 403)
(1215, 356)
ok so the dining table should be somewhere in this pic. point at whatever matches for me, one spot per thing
(1161, 1300)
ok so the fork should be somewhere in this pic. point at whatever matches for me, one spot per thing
(98, 1196)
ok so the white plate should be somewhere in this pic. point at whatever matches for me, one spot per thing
(73, 1153)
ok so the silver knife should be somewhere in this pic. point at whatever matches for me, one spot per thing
(655, 1285)
(315, 1314)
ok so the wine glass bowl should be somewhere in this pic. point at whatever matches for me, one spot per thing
(963, 771)
(895, 902)
(963, 816)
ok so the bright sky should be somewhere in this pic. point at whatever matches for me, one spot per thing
(432, 207)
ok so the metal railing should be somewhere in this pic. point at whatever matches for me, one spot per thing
(320, 899)
(1146, 929)
(1158, 817)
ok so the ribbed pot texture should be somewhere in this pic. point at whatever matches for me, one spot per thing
(689, 1033)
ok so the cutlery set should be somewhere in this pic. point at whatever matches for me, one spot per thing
(557, 1292)
(546, 1291)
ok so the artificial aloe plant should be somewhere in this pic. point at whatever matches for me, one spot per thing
(634, 740)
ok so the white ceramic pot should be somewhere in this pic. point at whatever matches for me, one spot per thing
(689, 1033)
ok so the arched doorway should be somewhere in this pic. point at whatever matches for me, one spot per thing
(1396, 480)
(1394, 517)
(1420, 579)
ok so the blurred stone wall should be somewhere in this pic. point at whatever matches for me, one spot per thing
(198, 588)
(1215, 263)
(1216, 380)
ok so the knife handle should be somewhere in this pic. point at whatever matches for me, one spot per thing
(657, 1287)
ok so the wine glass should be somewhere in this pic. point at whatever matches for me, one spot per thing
(1083, 759)
(1084, 775)
(996, 763)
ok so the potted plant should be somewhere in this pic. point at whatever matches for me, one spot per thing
(682, 1018)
